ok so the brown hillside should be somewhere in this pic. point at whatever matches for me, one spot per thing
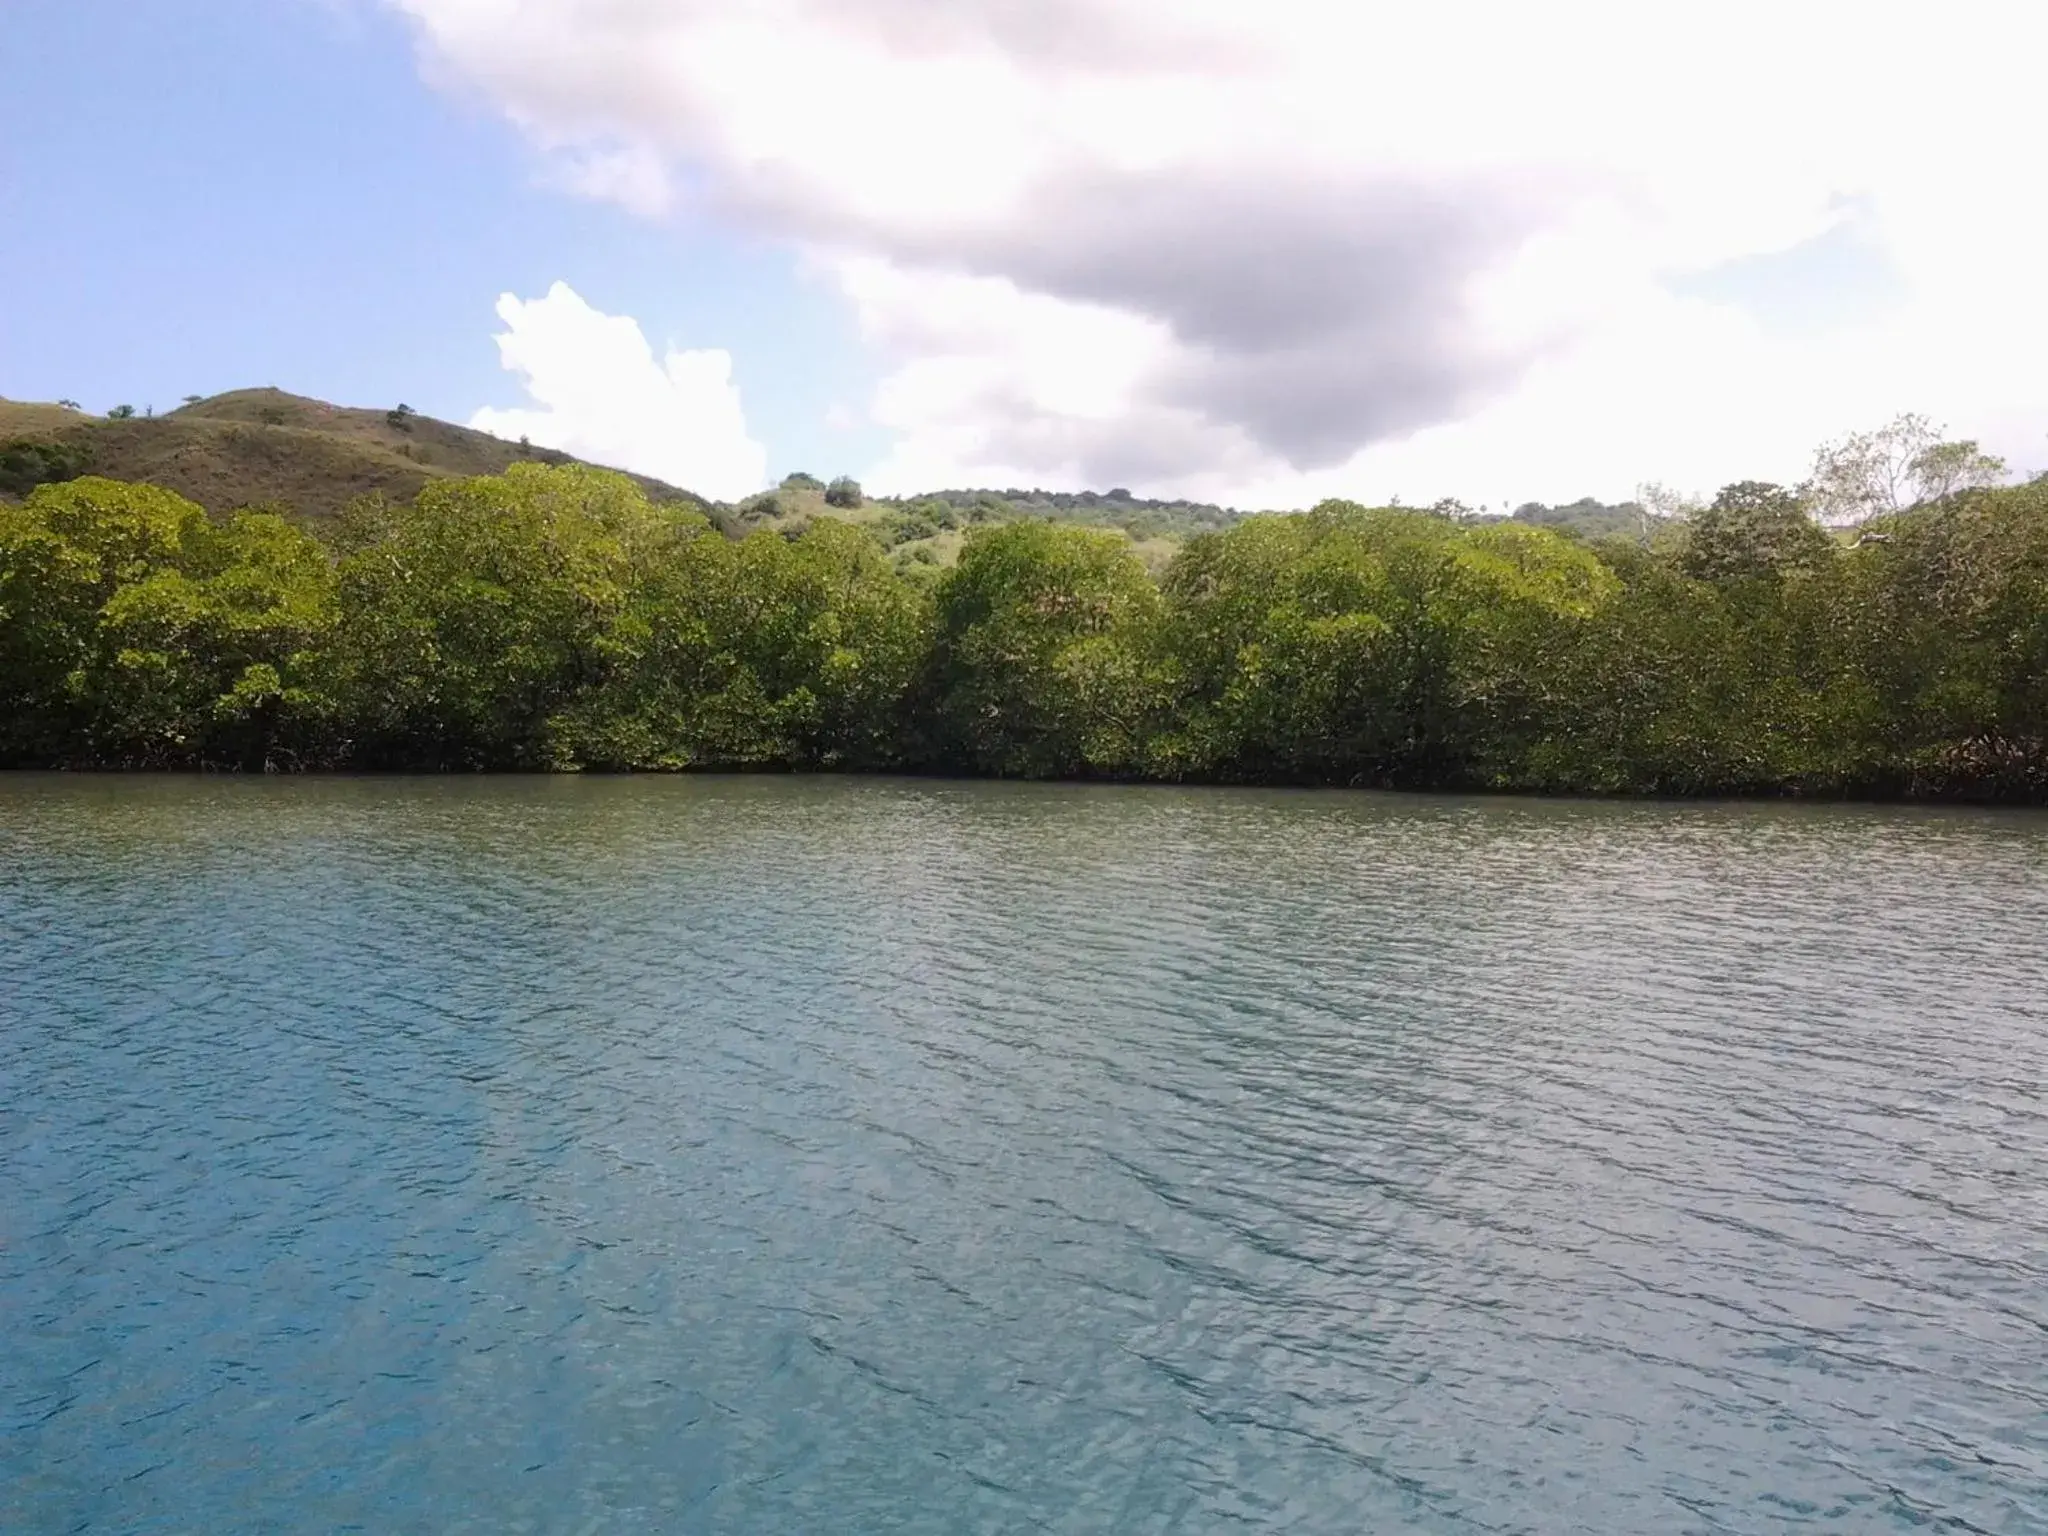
(265, 447)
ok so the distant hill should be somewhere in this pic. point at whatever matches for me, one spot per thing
(266, 447)
(1592, 519)
(263, 446)
(929, 529)
(1141, 518)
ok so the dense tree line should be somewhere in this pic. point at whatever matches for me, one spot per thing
(1139, 516)
(554, 618)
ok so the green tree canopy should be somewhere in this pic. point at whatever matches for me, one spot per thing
(134, 630)
(1043, 659)
(1753, 529)
(553, 618)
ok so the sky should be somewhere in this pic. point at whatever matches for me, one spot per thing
(1253, 254)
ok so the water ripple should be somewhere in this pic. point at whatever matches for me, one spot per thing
(784, 1155)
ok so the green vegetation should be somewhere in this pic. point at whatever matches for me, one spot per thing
(1135, 515)
(136, 630)
(926, 533)
(557, 617)
(26, 464)
(1592, 519)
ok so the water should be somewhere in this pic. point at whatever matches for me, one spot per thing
(773, 1156)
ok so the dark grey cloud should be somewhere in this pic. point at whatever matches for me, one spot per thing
(1317, 315)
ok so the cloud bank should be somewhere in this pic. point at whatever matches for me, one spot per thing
(599, 393)
(1264, 251)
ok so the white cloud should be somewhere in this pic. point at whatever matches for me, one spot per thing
(599, 393)
(1264, 251)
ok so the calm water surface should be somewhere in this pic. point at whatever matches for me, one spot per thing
(783, 1156)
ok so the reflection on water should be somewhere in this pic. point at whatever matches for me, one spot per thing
(786, 1156)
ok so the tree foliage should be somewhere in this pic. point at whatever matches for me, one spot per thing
(553, 618)
(1752, 530)
(1041, 654)
(26, 464)
(1902, 464)
(134, 630)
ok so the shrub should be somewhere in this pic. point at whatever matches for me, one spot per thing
(25, 465)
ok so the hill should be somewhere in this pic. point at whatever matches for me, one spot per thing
(928, 529)
(255, 447)
(266, 447)
(1136, 515)
(1591, 519)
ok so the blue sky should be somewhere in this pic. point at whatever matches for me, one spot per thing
(1102, 242)
(207, 196)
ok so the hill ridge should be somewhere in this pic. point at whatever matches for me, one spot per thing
(267, 446)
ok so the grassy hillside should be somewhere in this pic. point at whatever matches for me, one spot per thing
(263, 446)
(929, 529)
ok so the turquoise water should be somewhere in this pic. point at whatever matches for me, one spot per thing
(788, 1155)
